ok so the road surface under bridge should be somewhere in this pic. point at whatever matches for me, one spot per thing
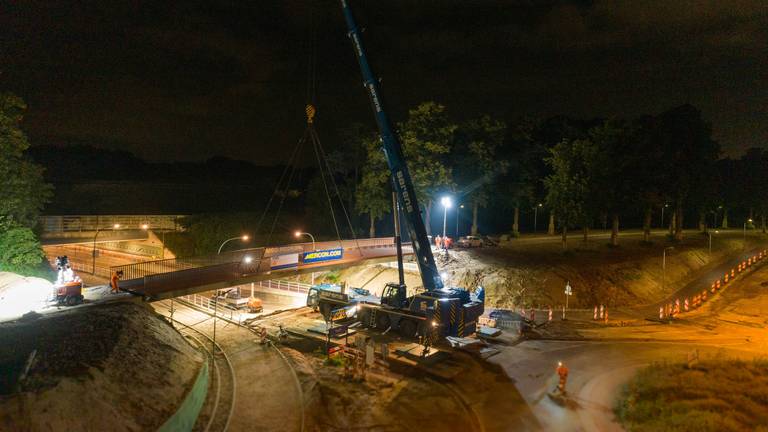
(163, 279)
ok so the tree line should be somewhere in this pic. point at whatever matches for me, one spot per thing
(580, 173)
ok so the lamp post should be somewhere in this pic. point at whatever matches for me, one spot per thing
(744, 241)
(535, 216)
(710, 240)
(298, 234)
(243, 237)
(662, 214)
(568, 293)
(93, 252)
(145, 227)
(458, 210)
(664, 265)
(446, 202)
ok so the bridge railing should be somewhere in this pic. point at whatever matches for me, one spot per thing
(195, 271)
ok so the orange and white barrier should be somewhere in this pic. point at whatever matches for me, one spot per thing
(685, 304)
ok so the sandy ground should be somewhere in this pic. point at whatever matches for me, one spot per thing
(118, 367)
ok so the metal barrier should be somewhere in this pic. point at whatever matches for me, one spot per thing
(298, 287)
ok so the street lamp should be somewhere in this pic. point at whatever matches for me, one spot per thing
(93, 252)
(664, 265)
(298, 234)
(535, 216)
(145, 227)
(710, 240)
(749, 221)
(243, 237)
(568, 293)
(662, 214)
(458, 210)
(446, 202)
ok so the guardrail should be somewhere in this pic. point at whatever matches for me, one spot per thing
(291, 286)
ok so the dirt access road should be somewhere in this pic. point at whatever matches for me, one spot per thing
(732, 324)
(267, 397)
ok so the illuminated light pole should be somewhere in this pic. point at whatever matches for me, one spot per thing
(458, 210)
(710, 240)
(744, 241)
(662, 214)
(243, 237)
(535, 216)
(446, 202)
(298, 234)
(93, 252)
(664, 265)
(145, 227)
(568, 293)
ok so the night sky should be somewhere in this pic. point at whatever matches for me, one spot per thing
(187, 80)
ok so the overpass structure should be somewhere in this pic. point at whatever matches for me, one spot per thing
(163, 279)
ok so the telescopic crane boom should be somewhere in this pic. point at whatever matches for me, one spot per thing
(393, 151)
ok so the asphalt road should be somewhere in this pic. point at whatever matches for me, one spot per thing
(731, 324)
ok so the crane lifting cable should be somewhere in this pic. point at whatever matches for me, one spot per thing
(282, 189)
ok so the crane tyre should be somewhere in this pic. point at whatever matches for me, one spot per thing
(382, 321)
(407, 328)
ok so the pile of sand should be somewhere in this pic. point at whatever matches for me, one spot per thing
(117, 367)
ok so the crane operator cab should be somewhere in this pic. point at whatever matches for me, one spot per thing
(394, 295)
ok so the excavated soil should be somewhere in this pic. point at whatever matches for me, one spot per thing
(535, 274)
(384, 401)
(116, 367)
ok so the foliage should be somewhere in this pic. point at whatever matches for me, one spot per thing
(427, 139)
(20, 252)
(715, 395)
(477, 162)
(22, 188)
(568, 185)
(374, 191)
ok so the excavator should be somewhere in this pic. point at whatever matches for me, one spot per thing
(437, 311)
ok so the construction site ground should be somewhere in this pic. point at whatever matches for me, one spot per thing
(118, 367)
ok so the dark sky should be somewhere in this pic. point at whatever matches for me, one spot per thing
(190, 79)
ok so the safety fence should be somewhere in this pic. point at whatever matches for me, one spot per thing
(89, 223)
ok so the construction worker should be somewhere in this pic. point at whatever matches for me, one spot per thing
(438, 242)
(113, 281)
(562, 371)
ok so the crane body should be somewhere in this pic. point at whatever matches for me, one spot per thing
(436, 312)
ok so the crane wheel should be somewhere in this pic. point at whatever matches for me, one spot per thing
(364, 316)
(407, 328)
(382, 321)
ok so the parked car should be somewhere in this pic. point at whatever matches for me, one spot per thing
(469, 242)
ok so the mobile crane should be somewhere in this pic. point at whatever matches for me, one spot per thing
(438, 310)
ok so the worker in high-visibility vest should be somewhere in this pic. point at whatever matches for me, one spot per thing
(562, 372)
(113, 281)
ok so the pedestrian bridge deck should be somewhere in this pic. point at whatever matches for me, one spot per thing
(162, 279)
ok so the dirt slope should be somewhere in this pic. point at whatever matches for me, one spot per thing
(115, 367)
(535, 274)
